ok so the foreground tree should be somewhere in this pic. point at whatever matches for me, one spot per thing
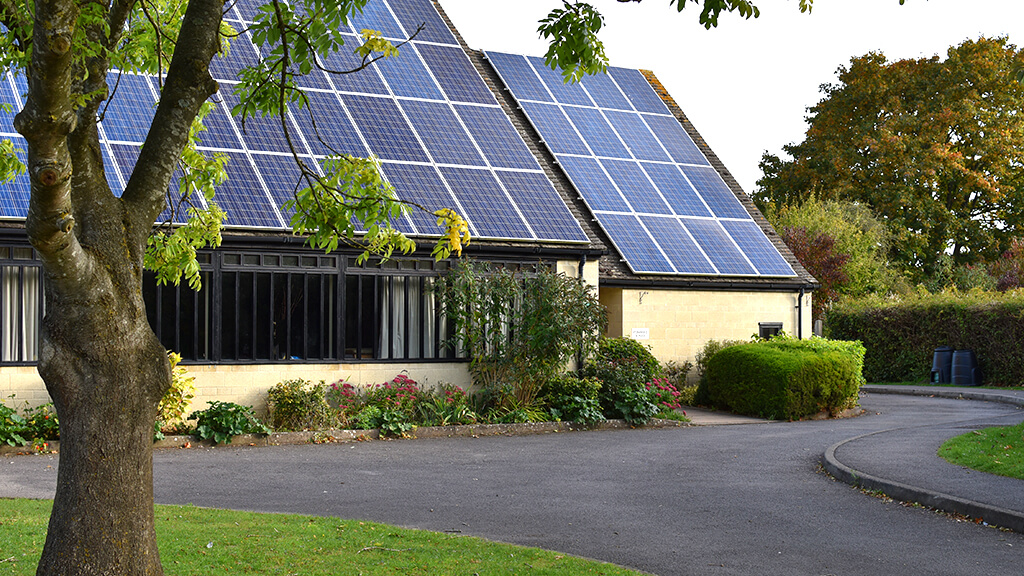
(103, 366)
(935, 147)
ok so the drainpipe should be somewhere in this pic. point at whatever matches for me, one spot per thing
(800, 315)
(579, 354)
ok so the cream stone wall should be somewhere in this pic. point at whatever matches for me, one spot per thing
(678, 323)
(248, 384)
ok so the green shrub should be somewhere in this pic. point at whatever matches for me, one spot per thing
(901, 335)
(518, 327)
(12, 427)
(222, 420)
(299, 405)
(177, 399)
(636, 404)
(787, 379)
(620, 349)
(448, 405)
(41, 422)
(711, 347)
(677, 373)
(573, 399)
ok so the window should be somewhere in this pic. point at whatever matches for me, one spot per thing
(768, 329)
(263, 306)
(21, 312)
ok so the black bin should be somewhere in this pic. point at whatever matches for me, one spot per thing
(965, 370)
(942, 365)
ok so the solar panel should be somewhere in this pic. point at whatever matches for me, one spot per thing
(640, 173)
(441, 136)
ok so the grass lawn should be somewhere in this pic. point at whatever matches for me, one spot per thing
(997, 450)
(218, 542)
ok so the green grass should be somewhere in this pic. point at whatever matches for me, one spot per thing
(997, 450)
(221, 543)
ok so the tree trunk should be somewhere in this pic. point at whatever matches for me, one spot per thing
(106, 372)
(103, 367)
(102, 520)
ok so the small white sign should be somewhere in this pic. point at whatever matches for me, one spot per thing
(641, 334)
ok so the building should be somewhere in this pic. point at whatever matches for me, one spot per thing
(608, 181)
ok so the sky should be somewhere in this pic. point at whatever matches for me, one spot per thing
(747, 84)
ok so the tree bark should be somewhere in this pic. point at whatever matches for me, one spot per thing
(103, 366)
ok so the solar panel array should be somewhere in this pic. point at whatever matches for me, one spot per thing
(442, 138)
(665, 208)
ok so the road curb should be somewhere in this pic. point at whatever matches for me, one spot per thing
(994, 515)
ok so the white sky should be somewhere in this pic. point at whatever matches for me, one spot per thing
(746, 85)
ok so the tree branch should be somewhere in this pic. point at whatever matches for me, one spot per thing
(187, 87)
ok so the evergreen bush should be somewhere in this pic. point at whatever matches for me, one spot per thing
(901, 335)
(787, 379)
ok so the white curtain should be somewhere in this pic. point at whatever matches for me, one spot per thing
(401, 298)
(20, 313)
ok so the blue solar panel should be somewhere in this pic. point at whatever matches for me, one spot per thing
(446, 139)
(605, 93)
(635, 244)
(14, 195)
(340, 63)
(412, 13)
(384, 127)
(241, 54)
(681, 250)
(484, 203)
(541, 205)
(719, 246)
(596, 131)
(456, 74)
(220, 129)
(8, 96)
(377, 16)
(327, 128)
(751, 239)
(675, 140)
(555, 129)
(425, 109)
(244, 199)
(635, 165)
(564, 93)
(407, 76)
(282, 175)
(129, 110)
(264, 133)
(677, 191)
(597, 190)
(423, 186)
(638, 90)
(637, 136)
(492, 130)
(715, 193)
(519, 76)
(636, 187)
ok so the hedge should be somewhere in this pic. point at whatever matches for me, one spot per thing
(901, 337)
(787, 379)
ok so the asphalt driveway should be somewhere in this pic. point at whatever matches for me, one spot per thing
(747, 499)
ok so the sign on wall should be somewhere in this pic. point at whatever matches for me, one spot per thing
(640, 334)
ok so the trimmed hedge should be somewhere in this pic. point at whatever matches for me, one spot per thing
(785, 379)
(901, 337)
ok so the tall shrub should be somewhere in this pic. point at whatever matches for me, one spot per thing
(901, 335)
(520, 328)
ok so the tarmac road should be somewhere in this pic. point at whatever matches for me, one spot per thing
(717, 500)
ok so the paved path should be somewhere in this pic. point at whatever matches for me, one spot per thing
(711, 500)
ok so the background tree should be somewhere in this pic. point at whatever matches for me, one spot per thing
(841, 244)
(102, 365)
(934, 147)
